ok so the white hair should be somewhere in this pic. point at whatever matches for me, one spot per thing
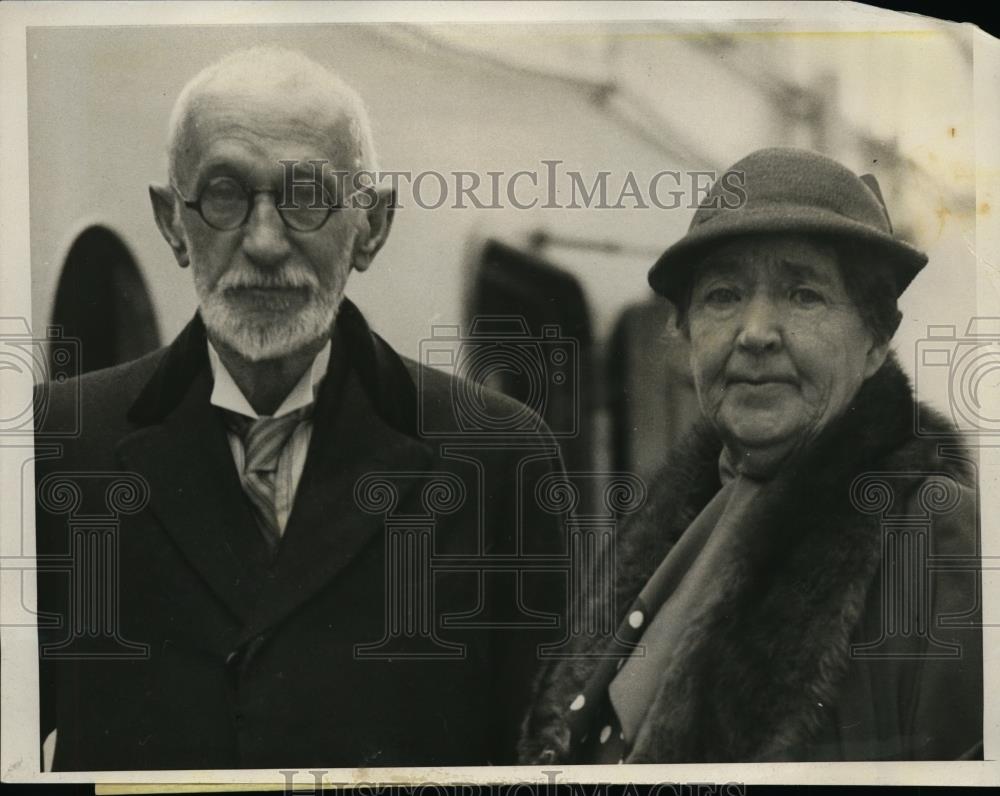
(285, 71)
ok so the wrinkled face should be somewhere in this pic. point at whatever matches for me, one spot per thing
(778, 349)
(266, 290)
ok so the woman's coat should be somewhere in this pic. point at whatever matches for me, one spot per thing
(845, 623)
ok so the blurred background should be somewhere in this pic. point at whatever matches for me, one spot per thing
(622, 98)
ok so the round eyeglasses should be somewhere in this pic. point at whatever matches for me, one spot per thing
(225, 204)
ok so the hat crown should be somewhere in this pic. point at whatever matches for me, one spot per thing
(794, 178)
(781, 190)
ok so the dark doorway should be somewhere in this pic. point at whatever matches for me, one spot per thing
(102, 301)
(651, 394)
(526, 309)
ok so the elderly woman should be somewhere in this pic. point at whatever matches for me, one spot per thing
(774, 598)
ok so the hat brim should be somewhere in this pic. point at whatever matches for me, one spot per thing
(671, 271)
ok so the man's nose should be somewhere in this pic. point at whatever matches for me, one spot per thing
(761, 325)
(265, 238)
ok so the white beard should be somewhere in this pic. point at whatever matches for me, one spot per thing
(283, 334)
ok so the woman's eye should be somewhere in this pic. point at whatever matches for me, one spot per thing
(806, 297)
(721, 296)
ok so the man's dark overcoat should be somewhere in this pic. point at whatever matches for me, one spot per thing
(347, 648)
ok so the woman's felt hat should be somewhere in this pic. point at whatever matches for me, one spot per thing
(788, 190)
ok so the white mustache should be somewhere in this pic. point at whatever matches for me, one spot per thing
(291, 277)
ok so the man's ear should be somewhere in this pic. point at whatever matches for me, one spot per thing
(380, 217)
(164, 212)
(875, 358)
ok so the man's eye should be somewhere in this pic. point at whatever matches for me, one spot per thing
(806, 297)
(223, 190)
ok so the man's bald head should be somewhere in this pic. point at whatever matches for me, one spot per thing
(272, 76)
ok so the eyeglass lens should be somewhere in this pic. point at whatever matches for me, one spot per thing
(225, 204)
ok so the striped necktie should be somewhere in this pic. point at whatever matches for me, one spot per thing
(263, 441)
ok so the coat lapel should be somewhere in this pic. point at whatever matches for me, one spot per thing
(327, 529)
(365, 421)
(195, 492)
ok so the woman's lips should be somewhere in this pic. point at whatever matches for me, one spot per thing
(762, 382)
(759, 392)
(770, 395)
(758, 377)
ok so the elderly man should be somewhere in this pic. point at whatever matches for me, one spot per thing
(268, 608)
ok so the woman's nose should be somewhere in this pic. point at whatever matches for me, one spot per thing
(265, 238)
(761, 325)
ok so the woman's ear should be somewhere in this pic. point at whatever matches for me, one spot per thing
(875, 358)
(164, 211)
(379, 217)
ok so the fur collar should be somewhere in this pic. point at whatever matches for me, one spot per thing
(772, 637)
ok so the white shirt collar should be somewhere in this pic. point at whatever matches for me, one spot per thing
(226, 393)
